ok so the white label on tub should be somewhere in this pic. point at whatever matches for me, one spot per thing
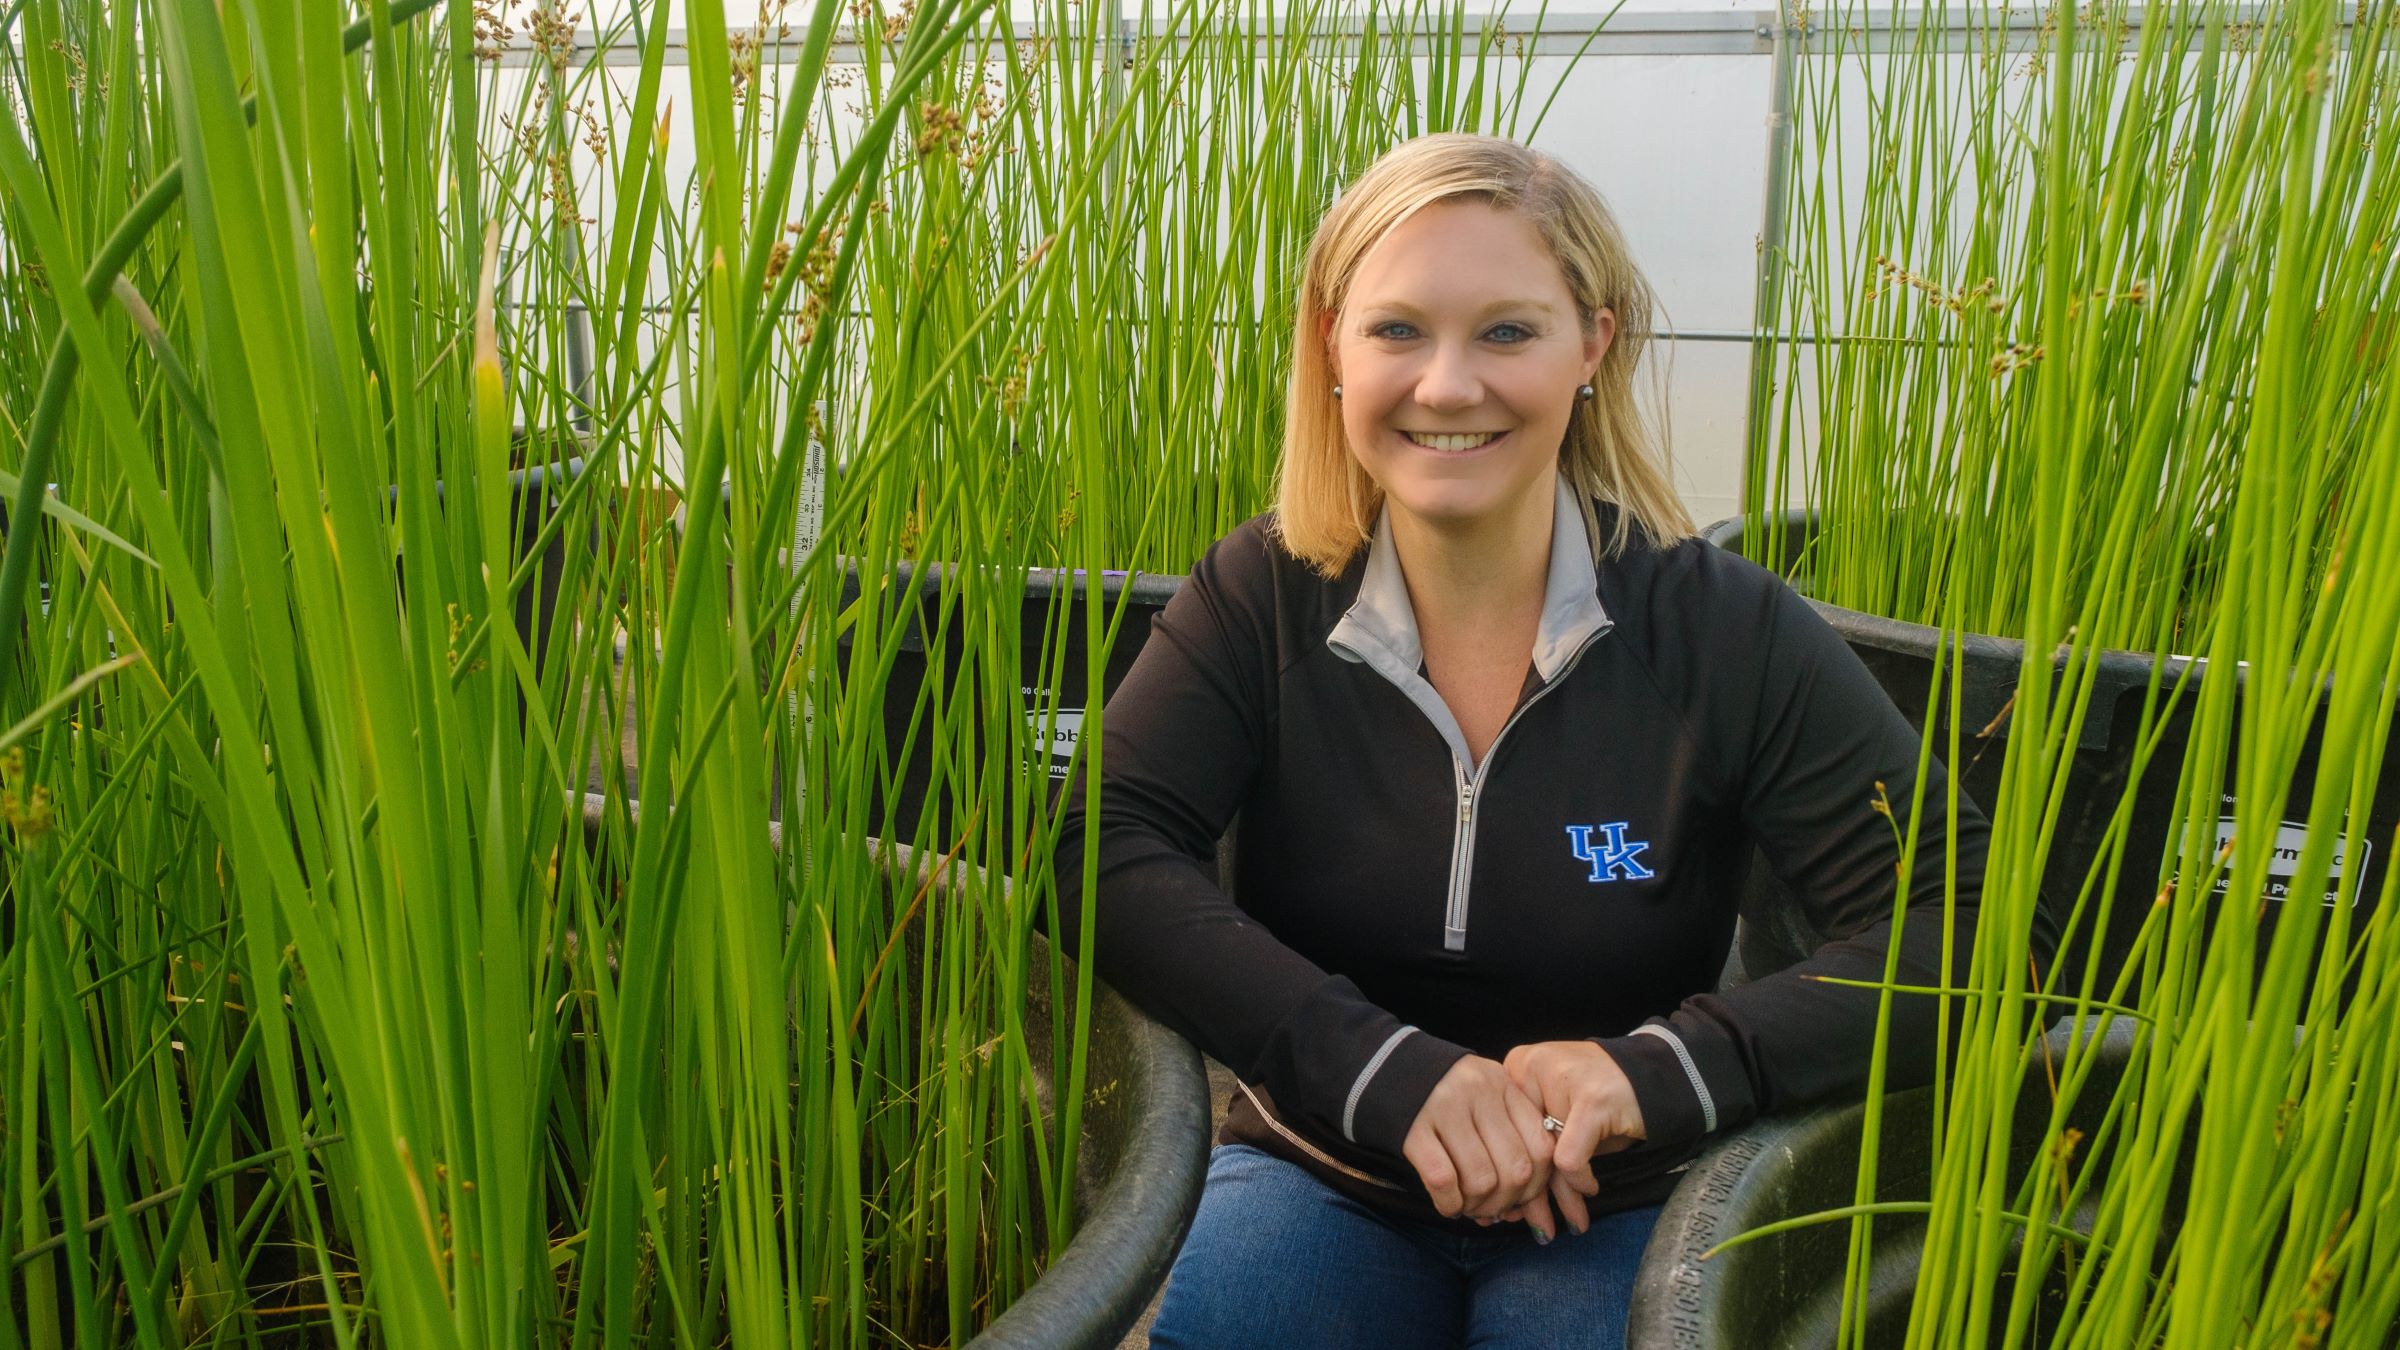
(1064, 733)
(808, 527)
(2290, 838)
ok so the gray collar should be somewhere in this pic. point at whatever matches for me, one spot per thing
(1380, 628)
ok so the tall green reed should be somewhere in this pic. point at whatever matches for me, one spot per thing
(1972, 190)
(323, 1015)
(2121, 384)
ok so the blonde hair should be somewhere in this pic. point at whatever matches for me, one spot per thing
(1326, 505)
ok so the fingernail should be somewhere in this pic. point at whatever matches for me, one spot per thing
(1541, 1235)
(1581, 1228)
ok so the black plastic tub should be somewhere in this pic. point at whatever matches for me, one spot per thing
(1901, 656)
(1139, 1170)
(1055, 644)
(1139, 1167)
(1784, 1292)
(533, 496)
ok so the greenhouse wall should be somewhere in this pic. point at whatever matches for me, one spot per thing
(1667, 113)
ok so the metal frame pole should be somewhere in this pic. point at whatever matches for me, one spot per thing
(1774, 215)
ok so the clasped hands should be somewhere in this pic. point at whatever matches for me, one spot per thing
(1479, 1146)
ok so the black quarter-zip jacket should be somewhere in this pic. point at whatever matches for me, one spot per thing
(1401, 906)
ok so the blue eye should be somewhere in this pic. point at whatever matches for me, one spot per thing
(1525, 334)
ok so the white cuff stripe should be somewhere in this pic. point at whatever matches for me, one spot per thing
(1708, 1105)
(1359, 1088)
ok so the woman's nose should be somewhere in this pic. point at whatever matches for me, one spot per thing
(1449, 379)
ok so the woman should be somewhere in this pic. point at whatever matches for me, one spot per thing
(1503, 736)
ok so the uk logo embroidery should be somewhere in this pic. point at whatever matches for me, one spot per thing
(1613, 855)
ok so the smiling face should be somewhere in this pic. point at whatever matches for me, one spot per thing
(1459, 354)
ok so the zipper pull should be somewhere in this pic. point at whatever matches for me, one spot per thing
(1466, 802)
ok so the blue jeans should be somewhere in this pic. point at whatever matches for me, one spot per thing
(1276, 1258)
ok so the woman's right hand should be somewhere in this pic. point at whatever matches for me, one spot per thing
(1478, 1143)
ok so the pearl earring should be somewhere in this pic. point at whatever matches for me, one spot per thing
(1337, 391)
(1584, 392)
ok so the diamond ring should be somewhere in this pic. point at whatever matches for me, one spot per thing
(1554, 1125)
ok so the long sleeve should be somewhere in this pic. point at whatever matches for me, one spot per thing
(1182, 739)
(1820, 736)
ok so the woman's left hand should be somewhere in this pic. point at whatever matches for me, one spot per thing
(1580, 1084)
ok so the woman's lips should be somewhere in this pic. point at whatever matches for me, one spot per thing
(1457, 454)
